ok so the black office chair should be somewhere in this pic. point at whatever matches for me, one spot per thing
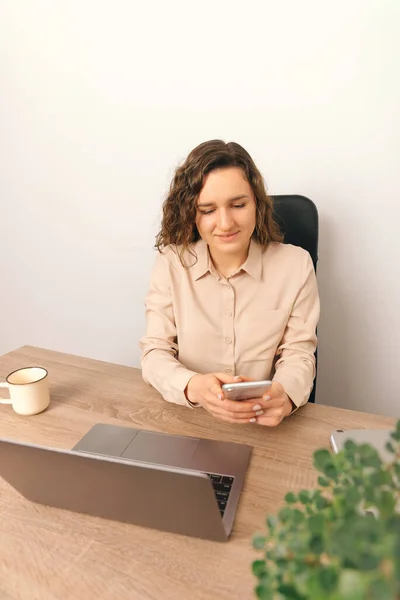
(297, 217)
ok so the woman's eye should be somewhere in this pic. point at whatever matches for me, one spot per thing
(212, 210)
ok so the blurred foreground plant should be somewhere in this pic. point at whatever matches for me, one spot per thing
(340, 541)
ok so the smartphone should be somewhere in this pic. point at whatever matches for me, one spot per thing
(245, 390)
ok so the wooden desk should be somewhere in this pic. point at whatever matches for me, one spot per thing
(49, 554)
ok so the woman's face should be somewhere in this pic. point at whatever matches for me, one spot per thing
(226, 211)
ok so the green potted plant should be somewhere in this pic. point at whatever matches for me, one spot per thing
(340, 541)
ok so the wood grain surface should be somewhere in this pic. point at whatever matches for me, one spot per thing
(48, 554)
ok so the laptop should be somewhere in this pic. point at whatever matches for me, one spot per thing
(171, 483)
(377, 438)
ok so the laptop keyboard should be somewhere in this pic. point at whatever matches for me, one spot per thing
(222, 485)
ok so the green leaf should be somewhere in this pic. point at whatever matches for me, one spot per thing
(349, 459)
(317, 545)
(321, 503)
(395, 436)
(396, 555)
(264, 591)
(322, 457)
(330, 514)
(291, 498)
(353, 496)
(330, 471)
(282, 563)
(396, 467)
(389, 447)
(344, 544)
(393, 524)
(371, 495)
(386, 503)
(298, 516)
(289, 592)
(358, 480)
(299, 566)
(350, 446)
(369, 456)
(347, 563)
(382, 477)
(323, 481)
(259, 568)
(328, 578)
(285, 514)
(368, 561)
(272, 522)
(316, 523)
(304, 497)
(259, 542)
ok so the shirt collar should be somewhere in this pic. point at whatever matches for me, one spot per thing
(202, 265)
(252, 265)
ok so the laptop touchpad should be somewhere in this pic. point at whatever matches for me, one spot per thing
(168, 450)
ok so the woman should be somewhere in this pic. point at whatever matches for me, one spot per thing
(227, 300)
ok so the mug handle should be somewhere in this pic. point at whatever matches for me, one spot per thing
(4, 385)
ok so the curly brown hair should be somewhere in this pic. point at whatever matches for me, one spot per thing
(178, 226)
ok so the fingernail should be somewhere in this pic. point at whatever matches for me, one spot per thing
(252, 420)
(259, 413)
(266, 398)
(219, 396)
(237, 377)
(257, 407)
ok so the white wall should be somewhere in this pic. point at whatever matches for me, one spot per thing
(100, 100)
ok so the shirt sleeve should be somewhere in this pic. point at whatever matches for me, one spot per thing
(295, 367)
(159, 346)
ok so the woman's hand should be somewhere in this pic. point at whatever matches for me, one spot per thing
(269, 410)
(275, 404)
(206, 390)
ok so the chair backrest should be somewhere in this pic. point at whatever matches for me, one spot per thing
(297, 217)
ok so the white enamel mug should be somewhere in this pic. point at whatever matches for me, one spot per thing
(29, 390)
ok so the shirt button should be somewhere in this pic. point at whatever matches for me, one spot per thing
(228, 370)
(229, 314)
(229, 341)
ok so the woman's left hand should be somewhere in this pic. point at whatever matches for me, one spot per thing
(275, 404)
(277, 407)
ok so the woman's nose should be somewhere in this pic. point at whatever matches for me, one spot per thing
(224, 220)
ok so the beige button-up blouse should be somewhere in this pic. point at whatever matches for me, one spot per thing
(260, 322)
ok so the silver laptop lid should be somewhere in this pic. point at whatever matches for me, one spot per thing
(164, 498)
(225, 462)
(375, 437)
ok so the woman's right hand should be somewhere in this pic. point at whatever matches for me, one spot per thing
(206, 390)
